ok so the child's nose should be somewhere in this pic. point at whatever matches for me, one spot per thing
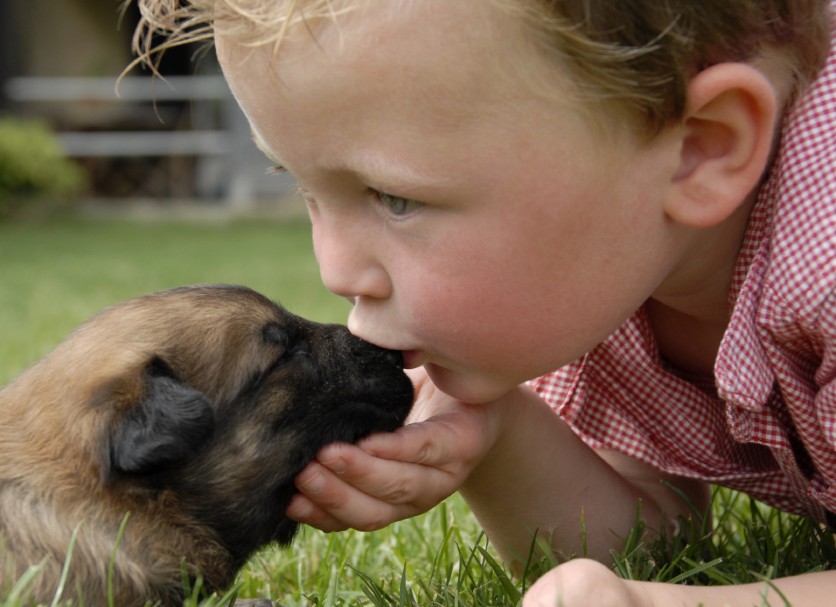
(348, 266)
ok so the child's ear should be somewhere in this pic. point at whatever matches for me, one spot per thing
(727, 135)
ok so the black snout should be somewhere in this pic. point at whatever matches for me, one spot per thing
(363, 351)
(394, 357)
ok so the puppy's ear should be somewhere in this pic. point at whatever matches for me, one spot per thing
(168, 426)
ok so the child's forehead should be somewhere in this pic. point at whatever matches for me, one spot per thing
(422, 48)
(272, 22)
(454, 40)
(362, 32)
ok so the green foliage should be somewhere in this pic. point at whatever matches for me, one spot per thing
(742, 541)
(33, 169)
(442, 559)
(56, 274)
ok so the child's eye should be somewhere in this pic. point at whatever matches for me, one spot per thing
(397, 205)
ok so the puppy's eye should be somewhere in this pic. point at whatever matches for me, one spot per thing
(274, 335)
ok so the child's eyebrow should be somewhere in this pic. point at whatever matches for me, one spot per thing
(387, 173)
(373, 168)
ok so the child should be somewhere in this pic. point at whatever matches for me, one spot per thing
(633, 201)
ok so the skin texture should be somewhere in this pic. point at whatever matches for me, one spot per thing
(493, 234)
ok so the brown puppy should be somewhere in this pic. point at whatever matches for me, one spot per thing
(192, 409)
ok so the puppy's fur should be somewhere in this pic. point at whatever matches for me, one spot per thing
(191, 409)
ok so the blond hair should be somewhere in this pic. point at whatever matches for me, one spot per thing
(637, 55)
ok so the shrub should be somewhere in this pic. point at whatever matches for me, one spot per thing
(33, 169)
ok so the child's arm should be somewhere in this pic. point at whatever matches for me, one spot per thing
(540, 475)
(587, 583)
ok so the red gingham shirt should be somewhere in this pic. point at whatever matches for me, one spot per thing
(766, 425)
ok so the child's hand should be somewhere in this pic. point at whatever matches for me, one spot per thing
(392, 476)
(588, 583)
(584, 583)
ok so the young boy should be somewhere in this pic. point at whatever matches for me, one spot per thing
(639, 194)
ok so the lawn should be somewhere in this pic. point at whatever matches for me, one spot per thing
(55, 275)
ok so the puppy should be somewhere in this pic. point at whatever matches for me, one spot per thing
(190, 411)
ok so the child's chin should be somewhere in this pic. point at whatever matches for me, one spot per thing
(475, 387)
(412, 359)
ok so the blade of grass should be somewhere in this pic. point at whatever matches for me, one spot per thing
(111, 569)
(66, 569)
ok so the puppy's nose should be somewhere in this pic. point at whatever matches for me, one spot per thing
(394, 357)
(366, 351)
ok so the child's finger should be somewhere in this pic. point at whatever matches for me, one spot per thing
(303, 510)
(409, 488)
(447, 442)
(333, 504)
(408, 444)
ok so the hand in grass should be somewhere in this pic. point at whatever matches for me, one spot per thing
(392, 476)
(584, 583)
(588, 583)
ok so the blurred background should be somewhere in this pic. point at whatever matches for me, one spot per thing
(106, 196)
(172, 144)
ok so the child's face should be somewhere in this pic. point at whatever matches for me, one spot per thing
(532, 239)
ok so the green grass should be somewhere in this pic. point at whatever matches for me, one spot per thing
(55, 275)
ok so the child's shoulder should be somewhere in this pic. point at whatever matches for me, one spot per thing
(797, 203)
